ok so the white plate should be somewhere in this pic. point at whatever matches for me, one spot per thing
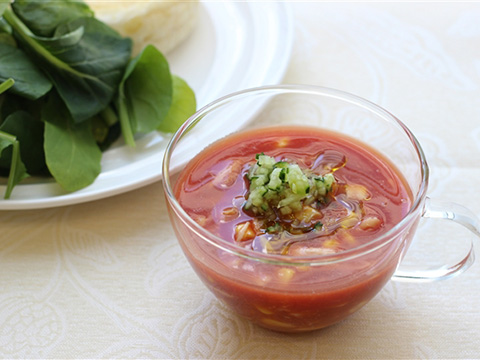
(236, 45)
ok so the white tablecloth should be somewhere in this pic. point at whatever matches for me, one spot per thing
(106, 279)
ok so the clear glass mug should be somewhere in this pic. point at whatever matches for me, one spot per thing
(252, 283)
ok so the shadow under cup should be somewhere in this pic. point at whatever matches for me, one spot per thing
(285, 293)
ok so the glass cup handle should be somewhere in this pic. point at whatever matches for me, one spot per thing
(435, 209)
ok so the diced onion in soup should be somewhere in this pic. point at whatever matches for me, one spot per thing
(228, 175)
(357, 192)
(371, 223)
(285, 274)
(302, 250)
(245, 231)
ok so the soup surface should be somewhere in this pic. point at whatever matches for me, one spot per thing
(367, 197)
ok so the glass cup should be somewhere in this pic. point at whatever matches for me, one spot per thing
(266, 288)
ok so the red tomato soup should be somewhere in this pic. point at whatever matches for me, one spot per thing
(368, 197)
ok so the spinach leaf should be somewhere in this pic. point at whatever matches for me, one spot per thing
(114, 133)
(29, 133)
(85, 75)
(3, 6)
(17, 170)
(6, 84)
(145, 93)
(183, 106)
(5, 29)
(30, 82)
(7, 39)
(43, 17)
(71, 153)
(99, 60)
(10, 103)
(60, 41)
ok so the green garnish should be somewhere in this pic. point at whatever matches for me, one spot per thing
(318, 226)
(281, 186)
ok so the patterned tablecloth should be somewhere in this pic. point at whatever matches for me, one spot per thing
(106, 279)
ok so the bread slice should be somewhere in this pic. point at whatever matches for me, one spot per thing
(162, 23)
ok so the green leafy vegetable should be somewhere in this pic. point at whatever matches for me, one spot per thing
(43, 17)
(6, 38)
(30, 82)
(145, 94)
(29, 133)
(71, 153)
(3, 6)
(7, 84)
(69, 89)
(86, 74)
(183, 105)
(17, 170)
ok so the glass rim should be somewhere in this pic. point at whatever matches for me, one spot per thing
(288, 260)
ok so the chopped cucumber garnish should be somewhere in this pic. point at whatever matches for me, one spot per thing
(283, 186)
